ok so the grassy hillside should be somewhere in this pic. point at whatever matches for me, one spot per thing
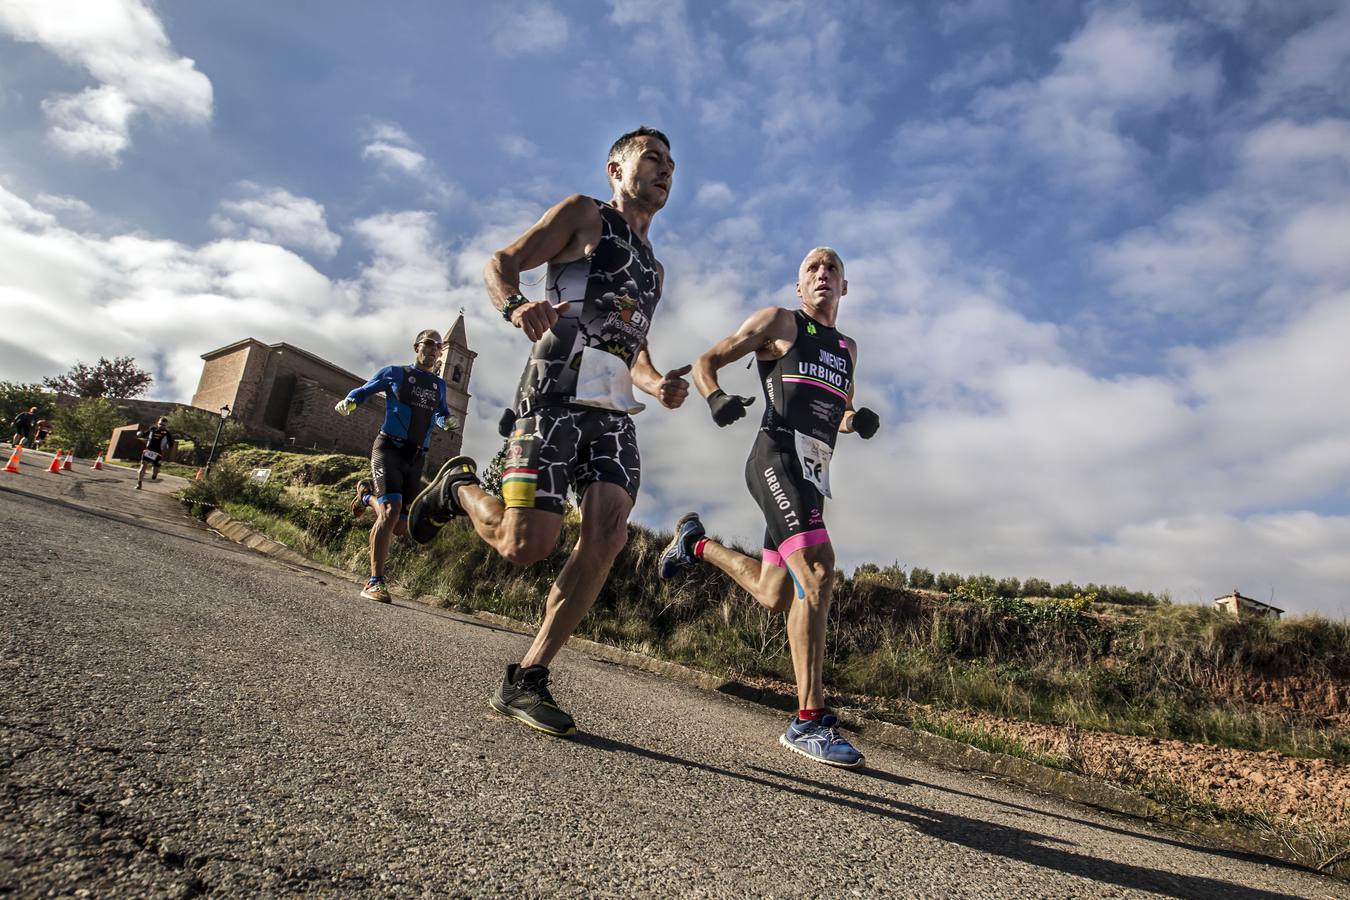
(1143, 667)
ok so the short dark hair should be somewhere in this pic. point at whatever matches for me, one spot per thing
(426, 333)
(626, 141)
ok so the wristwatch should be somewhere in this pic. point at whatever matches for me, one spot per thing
(514, 302)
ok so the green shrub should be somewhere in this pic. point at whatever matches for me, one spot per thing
(86, 426)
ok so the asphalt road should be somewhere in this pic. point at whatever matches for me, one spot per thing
(182, 716)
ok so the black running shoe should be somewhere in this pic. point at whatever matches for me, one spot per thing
(437, 505)
(364, 488)
(524, 695)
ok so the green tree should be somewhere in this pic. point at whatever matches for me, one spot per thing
(86, 426)
(985, 585)
(117, 378)
(16, 398)
(199, 427)
(1035, 587)
(948, 582)
(921, 578)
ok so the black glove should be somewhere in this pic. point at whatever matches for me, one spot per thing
(865, 423)
(506, 422)
(727, 408)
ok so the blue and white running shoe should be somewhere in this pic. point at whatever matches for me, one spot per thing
(822, 742)
(680, 551)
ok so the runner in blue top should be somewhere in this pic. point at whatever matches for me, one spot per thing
(414, 398)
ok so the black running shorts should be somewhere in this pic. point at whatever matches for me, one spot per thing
(396, 470)
(793, 507)
(555, 447)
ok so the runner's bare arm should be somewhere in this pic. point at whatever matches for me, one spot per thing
(862, 421)
(756, 333)
(671, 388)
(846, 423)
(568, 230)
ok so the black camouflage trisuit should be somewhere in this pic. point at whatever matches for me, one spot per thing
(613, 294)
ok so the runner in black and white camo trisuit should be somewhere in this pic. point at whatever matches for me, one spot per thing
(574, 404)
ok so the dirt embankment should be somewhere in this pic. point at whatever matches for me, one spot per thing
(1299, 790)
(1324, 697)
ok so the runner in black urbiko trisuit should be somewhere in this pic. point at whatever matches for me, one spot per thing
(806, 368)
(414, 402)
(575, 404)
(158, 442)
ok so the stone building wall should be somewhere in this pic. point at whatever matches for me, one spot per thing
(312, 421)
(219, 383)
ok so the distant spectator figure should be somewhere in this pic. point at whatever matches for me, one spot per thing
(44, 430)
(158, 442)
(23, 427)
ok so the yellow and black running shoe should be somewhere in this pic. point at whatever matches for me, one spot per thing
(524, 695)
(437, 505)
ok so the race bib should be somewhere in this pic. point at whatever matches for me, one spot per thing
(814, 457)
(150, 455)
(604, 382)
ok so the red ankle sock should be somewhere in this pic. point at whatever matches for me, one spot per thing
(698, 547)
(811, 715)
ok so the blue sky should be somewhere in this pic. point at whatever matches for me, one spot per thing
(1098, 254)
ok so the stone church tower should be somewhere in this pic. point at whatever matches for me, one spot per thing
(456, 367)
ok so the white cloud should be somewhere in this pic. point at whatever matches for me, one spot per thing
(395, 153)
(1276, 232)
(277, 216)
(519, 147)
(1315, 62)
(1316, 241)
(392, 156)
(1283, 146)
(714, 194)
(122, 44)
(62, 203)
(974, 69)
(1073, 119)
(664, 39)
(1119, 63)
(1195, 257)
(529, 27)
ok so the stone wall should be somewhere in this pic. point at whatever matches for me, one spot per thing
(313, 422)
(251, 394)
(124, 444)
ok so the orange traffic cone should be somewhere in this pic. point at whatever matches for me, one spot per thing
(65, 466)
(98, 463)
(198, 476)
(56, 462)
(13, 464)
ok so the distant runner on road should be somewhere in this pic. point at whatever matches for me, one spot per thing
(23, 427)
(158, 441)
(575, 404)
(414, 403)
(43, 429)
(806, 368)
